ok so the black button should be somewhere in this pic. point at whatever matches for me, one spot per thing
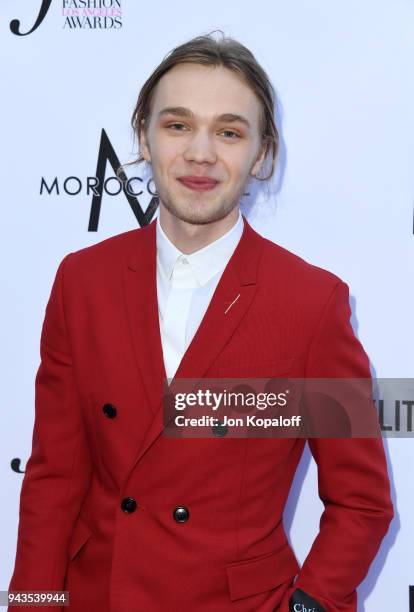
(129, 504)
(219, 429)
(181, 514)
(109, 410)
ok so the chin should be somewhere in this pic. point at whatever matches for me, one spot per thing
(199, 214)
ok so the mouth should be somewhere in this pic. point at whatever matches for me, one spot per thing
(198, 183)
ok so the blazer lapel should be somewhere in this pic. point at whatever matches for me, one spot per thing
(230, 302)
(140, 287)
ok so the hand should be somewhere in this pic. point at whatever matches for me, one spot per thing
(302, 602)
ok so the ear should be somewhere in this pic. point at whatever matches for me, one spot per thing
(259, 159)
(143, 143)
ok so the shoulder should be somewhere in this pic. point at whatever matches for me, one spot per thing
(106, 255)
(117, 245)
(295, 277)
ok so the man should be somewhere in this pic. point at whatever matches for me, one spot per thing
(125, 518)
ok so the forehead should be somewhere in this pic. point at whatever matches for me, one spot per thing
(207, 91)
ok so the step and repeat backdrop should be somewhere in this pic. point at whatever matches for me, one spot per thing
(342, 197)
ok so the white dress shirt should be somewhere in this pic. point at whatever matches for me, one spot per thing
(185, 286)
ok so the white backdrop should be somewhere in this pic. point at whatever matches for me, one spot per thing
(343, 198)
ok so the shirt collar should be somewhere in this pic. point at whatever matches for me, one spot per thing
(206, 262)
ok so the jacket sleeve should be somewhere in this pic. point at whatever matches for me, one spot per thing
(353, 480)
(58, 470)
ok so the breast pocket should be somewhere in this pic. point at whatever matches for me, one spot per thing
(242, 367)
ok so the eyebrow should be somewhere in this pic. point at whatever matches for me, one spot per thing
(181, 111)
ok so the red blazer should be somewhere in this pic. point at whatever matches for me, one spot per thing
(98, 506)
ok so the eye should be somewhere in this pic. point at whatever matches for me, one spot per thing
(172, 125)
(176, 128)
(235, 135)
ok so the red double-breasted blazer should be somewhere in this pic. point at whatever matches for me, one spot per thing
(98, 440)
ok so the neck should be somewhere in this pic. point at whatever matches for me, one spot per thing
(190, 237)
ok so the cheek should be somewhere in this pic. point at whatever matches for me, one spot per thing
(239, 172)
(237, 162)
(167, 143)
(164, 151)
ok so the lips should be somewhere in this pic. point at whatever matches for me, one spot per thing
(198, 183)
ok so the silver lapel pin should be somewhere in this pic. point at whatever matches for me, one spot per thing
(233, 302)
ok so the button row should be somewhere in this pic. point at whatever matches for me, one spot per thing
(180, 513)
(219, 430)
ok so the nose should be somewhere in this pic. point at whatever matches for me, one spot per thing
(200, 148)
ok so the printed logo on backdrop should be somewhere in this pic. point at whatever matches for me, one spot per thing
(96, 186)
(15, 465)
(79, 15)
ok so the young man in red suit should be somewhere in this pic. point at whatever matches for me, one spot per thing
(125, 518)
